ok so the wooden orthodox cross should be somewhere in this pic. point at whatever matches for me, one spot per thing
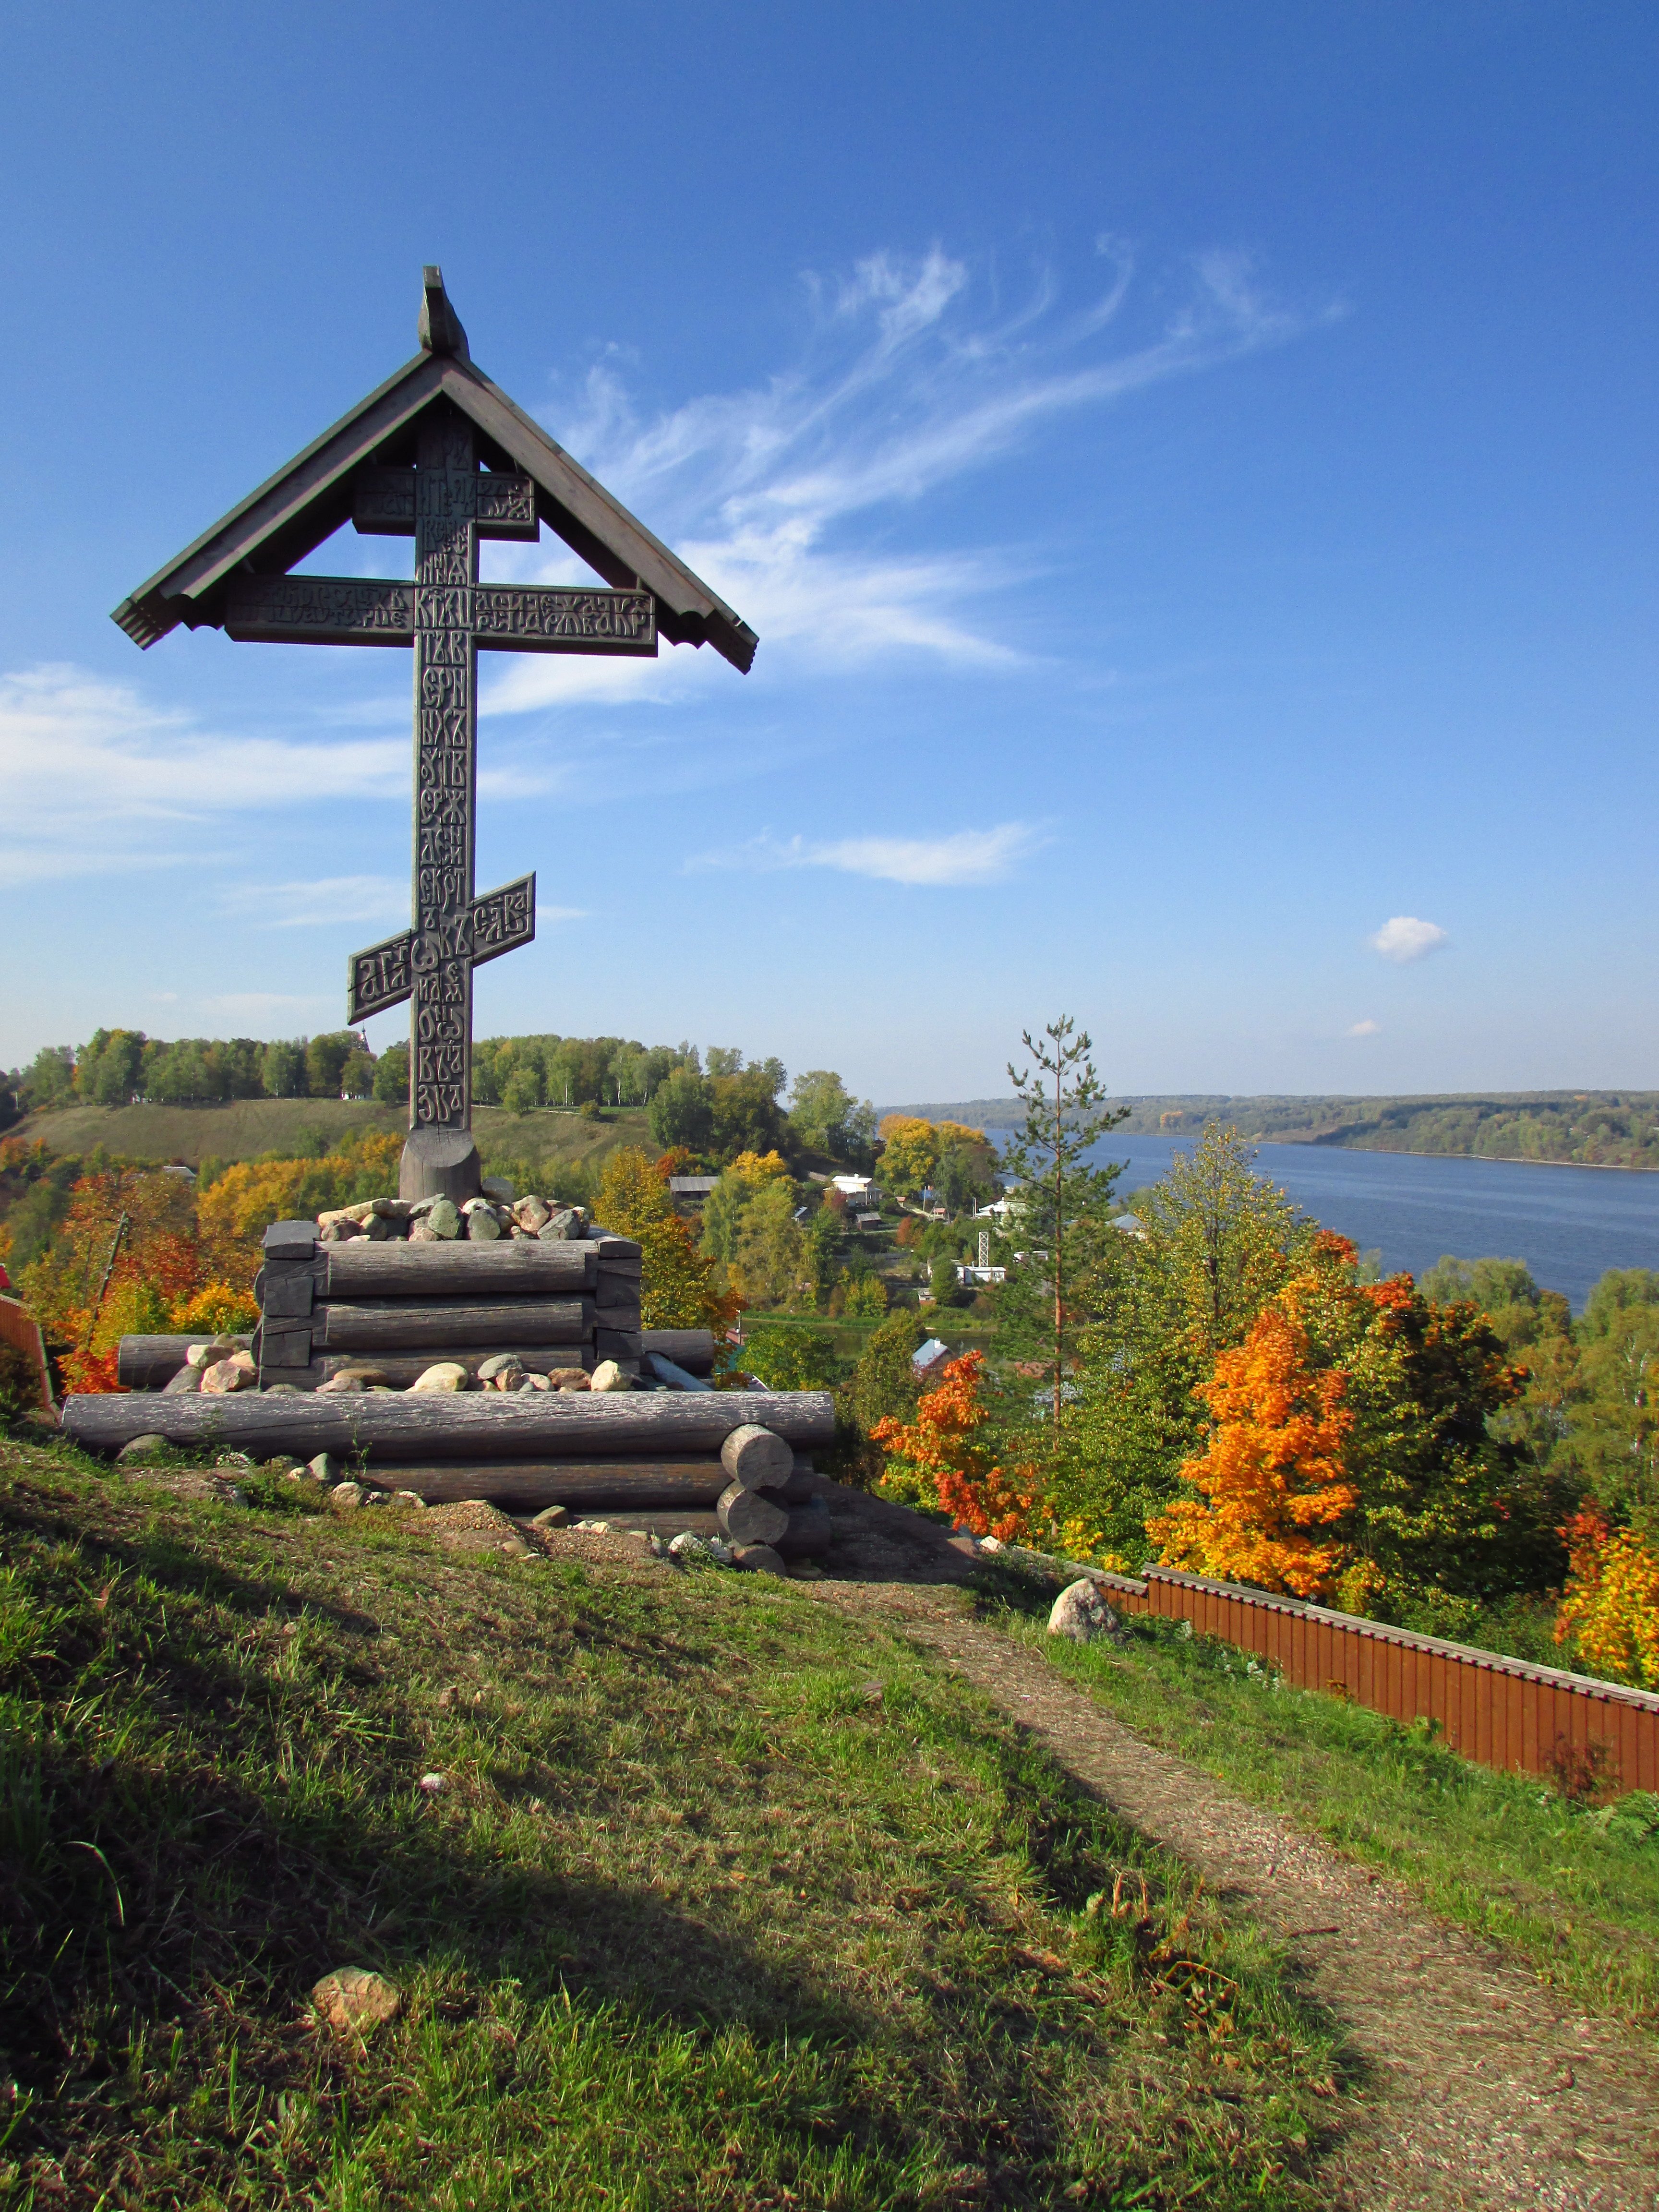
(237, 576)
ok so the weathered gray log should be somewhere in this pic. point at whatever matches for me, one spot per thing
(692, 1349)
(748, 1518)
(502, 1270)
(754, 1458)
(613, 1290)
(150, 1363)
(618, 1344)
(525, 1486)
(481, 1425)
(801, 1486)
(400, 1325)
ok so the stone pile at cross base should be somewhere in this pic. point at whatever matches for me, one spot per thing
(492, 1350)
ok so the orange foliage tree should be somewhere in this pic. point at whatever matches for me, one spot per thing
(943, 1457)
(1610, 1607)
(128, 1257)
(1272, 1487)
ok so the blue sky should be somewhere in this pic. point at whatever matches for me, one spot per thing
(1192, 470)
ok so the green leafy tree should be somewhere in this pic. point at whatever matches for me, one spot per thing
(885, 1386)
(722, 1060)
(1064, 1201)
(111, 1067)
(826, 1117)
(392, 1076)
(1612, 1439)
(282, 1069)
(770, 1256)
(325, 1059)
(523, 1092)
(50, 1080)
(681, 1112)
(745, 1115)
(786, 1356)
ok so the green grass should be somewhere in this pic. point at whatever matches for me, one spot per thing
(1503, 1855)
(731, 1899)
(295, 1127)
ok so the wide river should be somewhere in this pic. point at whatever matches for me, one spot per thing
(1568, 1224)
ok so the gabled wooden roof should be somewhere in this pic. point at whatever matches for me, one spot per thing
(291, 514)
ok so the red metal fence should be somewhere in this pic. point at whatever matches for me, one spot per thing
(19, 1328)
(1502, 1712)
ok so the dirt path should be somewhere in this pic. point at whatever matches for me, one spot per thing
(1483, 2089)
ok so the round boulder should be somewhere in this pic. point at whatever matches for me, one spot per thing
(1081, 1613)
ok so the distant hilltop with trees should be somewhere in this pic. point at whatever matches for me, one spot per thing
(1588, 1128)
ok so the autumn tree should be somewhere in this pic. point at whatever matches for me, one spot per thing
(680, 1286)
(1271, 1488)
(946, 1457)
(1215, 1242)
(909, 1154)
(1610, 1610)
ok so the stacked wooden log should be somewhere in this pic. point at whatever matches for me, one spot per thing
(522, 1330)
(636, 1452)
(402, 1308)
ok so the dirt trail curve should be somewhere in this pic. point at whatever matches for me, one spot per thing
(1484, 2088)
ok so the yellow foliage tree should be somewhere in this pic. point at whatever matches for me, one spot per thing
(241, 1205)
(909, 1152)
(680, 1286)
(1610, 1607)
(759, 1167)
(1273, 1474)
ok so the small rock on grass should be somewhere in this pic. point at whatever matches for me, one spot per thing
(551, 1517)
(325, 1468)
(410, 1499)
(346, 1494)
(356, 1997)
(140, 1448)
(1081, 1613)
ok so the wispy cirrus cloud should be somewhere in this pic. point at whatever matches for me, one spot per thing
(1406, 936)
(93, 777)
(961, 857)
(910, 378)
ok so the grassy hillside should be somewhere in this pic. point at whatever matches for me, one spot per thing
(294, 1127)
(1593, 1128)
(724, 1897)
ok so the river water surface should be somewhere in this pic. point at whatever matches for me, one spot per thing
(1570, 1224)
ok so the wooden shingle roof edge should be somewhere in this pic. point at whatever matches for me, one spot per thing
(292, 512)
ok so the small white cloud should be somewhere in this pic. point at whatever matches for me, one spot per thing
(1364, 1029)
(963, 857)
(1403, 937)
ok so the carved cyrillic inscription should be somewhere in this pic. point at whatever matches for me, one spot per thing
(380, 977)
(383, 502)
(507, 507)
(446, 482)
(320, 610)
(525, 619)
(504, 920)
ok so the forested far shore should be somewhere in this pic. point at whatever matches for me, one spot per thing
(1582, 1129)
